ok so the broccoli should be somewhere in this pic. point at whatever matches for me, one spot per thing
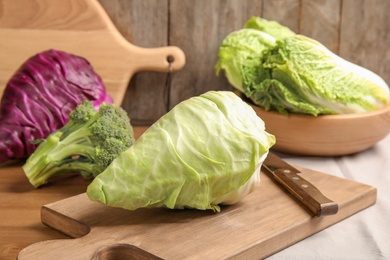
(88, 143)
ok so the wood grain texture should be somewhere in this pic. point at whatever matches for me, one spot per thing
(36, 14)
(254, 228)
(20, 206)
(286, 12)
(144, 23)
(328, 135)
(91, 35)
(198, 28)
(320, 20)
(357, 30)
(365, 34)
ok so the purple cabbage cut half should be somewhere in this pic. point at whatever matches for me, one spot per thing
(38, 98)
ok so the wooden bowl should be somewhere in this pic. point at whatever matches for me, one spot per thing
(326, 135)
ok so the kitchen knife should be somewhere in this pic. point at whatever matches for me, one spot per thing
(304, 191)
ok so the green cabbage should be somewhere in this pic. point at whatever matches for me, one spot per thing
(303, 76)
(276, 30)
(206, 151)
(297, 74)
(242, 48)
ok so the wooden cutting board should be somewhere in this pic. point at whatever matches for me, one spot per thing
(80, 27)
(264, 222)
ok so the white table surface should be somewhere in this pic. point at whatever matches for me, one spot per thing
(366, 234)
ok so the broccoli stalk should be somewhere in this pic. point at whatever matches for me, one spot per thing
(88, 143)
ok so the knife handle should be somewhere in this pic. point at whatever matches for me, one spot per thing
(306, 192)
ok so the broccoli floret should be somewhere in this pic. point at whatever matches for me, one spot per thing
(88, 143)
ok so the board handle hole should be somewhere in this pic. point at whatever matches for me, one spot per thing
(170, 58)
(123, 251)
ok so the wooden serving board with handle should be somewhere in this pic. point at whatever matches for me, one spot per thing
(264, 222)
(80, 27)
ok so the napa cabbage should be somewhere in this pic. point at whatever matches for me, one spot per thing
(301, 75)
(241, 49)
(296, 74)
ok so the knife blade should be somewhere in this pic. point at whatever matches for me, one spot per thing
(301, 189)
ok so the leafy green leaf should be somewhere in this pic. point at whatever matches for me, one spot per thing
(206, 151)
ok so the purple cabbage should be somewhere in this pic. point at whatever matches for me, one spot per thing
(39, 97)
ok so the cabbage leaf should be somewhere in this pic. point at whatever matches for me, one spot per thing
(290, 73)
(242, 48)
(303, 76)
(206, 151)
(40, 95)
(273, 28)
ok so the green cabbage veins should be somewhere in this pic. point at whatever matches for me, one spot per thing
(241, 49)
(206, 151)
(280, 70)
(300, 75)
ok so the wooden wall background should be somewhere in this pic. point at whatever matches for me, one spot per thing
(357, 30)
